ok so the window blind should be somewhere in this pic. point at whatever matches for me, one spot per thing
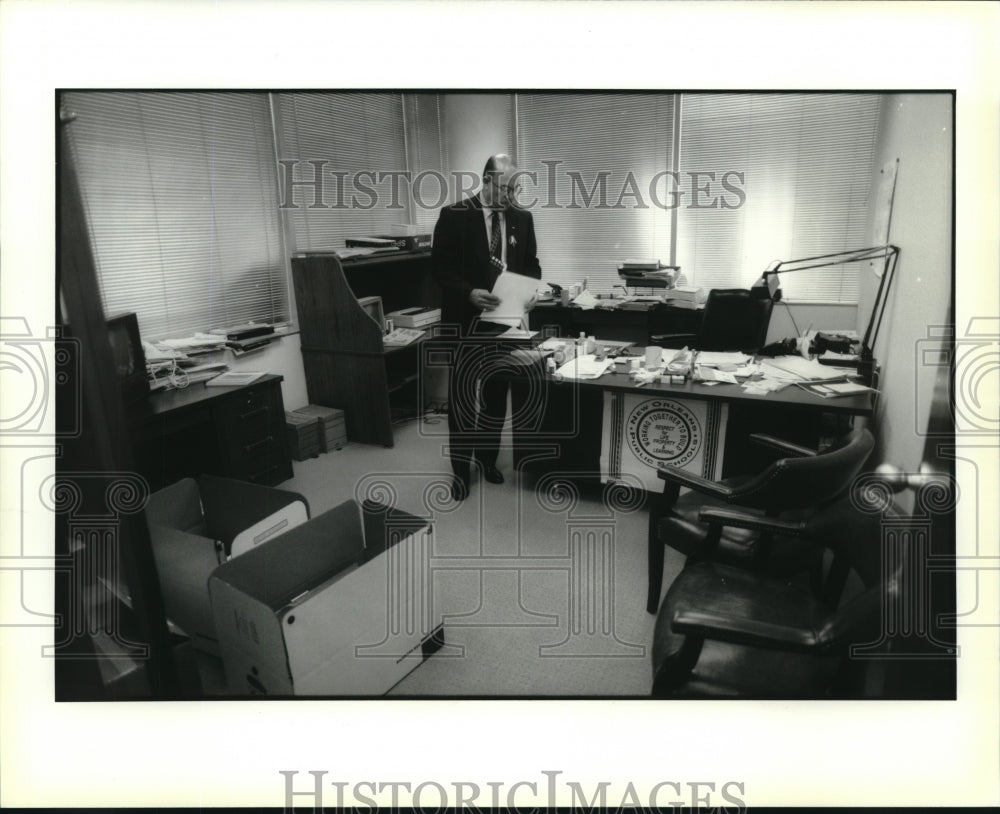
(624, 139)
(352, 138)
(807, 161)
(427, 157)
(180, 194)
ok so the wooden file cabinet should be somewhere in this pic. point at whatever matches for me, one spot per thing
(238, 432)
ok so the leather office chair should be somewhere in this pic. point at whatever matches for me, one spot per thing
(724, 631)
(792, 487)
(197, 524)
(732, 320)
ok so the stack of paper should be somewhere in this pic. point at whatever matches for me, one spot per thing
(722, 358)
(584, 367)
(797, 369)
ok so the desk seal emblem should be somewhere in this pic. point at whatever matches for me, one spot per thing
(663, 431)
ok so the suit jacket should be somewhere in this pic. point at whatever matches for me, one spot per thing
(460, 259)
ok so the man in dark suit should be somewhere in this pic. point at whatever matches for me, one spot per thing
(474, 241)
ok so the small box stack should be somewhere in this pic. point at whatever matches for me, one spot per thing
(305, 435)
(333, 433)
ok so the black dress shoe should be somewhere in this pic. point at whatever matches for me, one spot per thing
(459, 488)
(492, 474)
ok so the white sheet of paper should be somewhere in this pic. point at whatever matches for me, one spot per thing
(515, 292)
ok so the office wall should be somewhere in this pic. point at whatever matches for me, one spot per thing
(284, 357)
(917, 130)
(477, 125)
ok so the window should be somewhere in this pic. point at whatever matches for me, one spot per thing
(180, 197)
(601, 186)
(806, 161)
(368, 149)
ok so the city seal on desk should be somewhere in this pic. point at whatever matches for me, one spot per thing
(663, 431)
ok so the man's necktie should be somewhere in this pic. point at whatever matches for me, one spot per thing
(496, 248)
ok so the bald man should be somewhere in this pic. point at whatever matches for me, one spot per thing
(474, 241)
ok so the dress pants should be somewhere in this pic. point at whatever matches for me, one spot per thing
(482, 375)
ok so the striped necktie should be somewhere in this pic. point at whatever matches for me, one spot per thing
(496, 249)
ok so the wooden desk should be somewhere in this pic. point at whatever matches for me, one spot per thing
(605, 323)
(571, 419)
(238, 432)
(345, 361)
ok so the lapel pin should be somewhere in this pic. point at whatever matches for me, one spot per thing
(512, 240)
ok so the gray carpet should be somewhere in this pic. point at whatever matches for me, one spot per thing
(542, 590)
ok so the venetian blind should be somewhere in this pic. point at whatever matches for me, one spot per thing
(180, 197)
(806, 160)
(427, 157)
(596, 157)
(358, 142)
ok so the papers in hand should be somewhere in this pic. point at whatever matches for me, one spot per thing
(515, 292)
(584, 367)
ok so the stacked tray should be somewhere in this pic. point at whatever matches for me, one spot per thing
(333, 432)
(305, 435)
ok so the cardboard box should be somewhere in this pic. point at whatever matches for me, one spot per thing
(338, 606)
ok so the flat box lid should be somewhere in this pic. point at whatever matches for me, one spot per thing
(326, 413)
(301, 420)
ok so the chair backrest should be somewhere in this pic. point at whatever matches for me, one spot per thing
(796, 483)
(733, 320)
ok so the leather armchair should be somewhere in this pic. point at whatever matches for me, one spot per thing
(785, 493)
(197, 524)
(732, 320)
(725, 631)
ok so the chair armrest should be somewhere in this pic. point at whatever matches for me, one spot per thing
(783, 446)
(752, 632)
(672, 474)
(753, 522)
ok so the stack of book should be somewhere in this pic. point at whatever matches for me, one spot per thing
(389, 243)
(333, 434)
(304, 435)
(647, 273)
(241, 339)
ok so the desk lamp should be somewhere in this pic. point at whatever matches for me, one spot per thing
(769, 286)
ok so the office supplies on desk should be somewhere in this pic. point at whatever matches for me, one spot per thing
(691, 295)
(584, 367)
(585, 301)
(795, 368)
(369, 243)
(767, 287)
(716, 358)
(835, 389)
(402, 336)
(415, 317)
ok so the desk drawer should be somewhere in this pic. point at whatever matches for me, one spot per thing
(252, 441)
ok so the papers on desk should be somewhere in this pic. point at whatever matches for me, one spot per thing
(835, 390)
(584, 367)
(713, 376)
(736, 359)
(515, 292)
(517, 333)
(797, 369)
(585, 301)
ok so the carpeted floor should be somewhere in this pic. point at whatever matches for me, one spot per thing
(542, 589)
